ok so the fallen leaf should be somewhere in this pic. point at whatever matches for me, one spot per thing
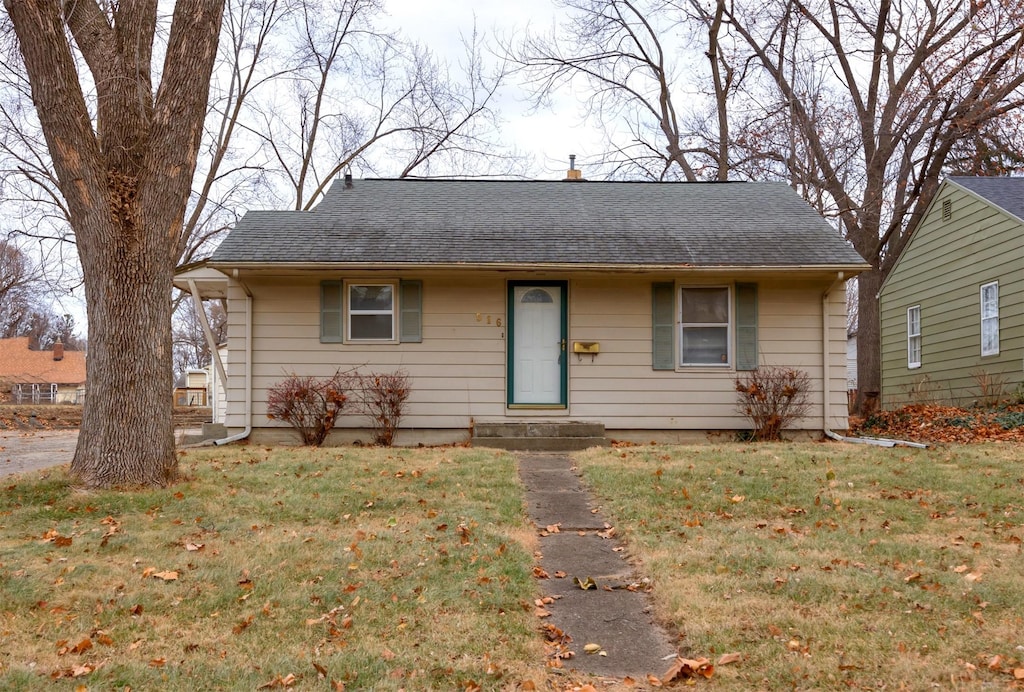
(81, 646)
(725, 659)
(686, 668)
(585, 584)
(591, 648)
(166, 576)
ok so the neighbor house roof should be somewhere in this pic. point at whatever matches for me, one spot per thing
(20, 365)
(514, 223)
(1004, 192)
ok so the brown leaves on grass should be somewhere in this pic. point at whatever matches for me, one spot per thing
(53, 536)
(686, 669)
(289, 680)
(946, 424)
(165, 575)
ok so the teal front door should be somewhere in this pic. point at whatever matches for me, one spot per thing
(537, 373)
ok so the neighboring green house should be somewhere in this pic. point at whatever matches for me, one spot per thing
(952, 309)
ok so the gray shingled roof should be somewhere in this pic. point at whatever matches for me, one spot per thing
(1005, 193)
(540, 222)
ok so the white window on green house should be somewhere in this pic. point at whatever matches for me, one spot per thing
(990, 319)
(914, 337)
(371, 312)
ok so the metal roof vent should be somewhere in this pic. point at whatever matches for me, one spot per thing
(573, 172)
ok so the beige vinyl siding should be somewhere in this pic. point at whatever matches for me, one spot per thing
(942, 270)
(458, 371)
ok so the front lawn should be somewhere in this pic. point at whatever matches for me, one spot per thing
(822, 566)
(283, 568)
(828, 566)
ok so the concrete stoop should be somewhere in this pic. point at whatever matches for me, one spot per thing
(540, 436)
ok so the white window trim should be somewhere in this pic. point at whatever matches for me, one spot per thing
(994, 318)
(349, 312)
(729, 324)
(911, 336)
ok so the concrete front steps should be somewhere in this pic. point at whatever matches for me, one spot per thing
(540, 436)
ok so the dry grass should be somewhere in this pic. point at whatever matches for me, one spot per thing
(830, 566)
(311, 569)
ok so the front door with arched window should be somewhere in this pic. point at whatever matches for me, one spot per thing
(537, 374)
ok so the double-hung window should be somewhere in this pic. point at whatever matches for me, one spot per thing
(704, 325)
(990, 319)
(914, 336)
(371, 311)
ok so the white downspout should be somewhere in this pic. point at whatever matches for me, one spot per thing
(248, 374)
(826, 353)
(825, 314)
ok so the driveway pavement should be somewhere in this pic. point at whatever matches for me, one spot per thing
(31, 450)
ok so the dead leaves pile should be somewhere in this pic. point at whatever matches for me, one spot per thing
(944, 424)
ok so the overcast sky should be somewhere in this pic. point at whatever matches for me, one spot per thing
(550, 135)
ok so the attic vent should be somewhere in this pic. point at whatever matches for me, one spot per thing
(947, 209)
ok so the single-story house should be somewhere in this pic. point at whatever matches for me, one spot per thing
(56, 376)
(632, 305)
(952, 308)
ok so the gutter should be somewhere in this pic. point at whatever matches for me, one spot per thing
(229, 267)
(878, 442)
(248, 375)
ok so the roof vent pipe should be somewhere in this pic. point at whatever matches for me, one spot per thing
(348, 180)
(573, 173)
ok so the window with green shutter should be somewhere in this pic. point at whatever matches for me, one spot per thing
(367, 311)
(705, 321)
(411, 315)
(332, 313)
(663, 356)
(746, 326)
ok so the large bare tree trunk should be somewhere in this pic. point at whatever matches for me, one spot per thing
(126, 176)
(869, 370)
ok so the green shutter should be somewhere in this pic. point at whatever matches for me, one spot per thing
(663, 326)
(746, 326)
(410, 327)
(332, 311)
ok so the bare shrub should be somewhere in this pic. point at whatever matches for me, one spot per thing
(773, 398)
(309, 404)
(381, 397)
(991, 388)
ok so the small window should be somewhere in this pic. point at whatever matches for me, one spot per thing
(371, 312)
(385, 311)
(914, 337)
(990, 319)
(704, 325)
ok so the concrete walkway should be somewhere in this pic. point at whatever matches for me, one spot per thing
(27, 450)
(608, 614)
